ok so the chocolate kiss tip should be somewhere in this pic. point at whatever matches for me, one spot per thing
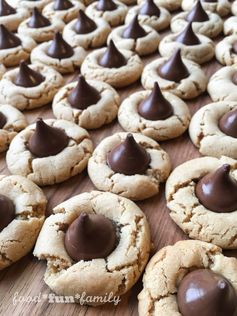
(3, 120)
(7, 211)
(60, 5)
(155, 106)
(59, 48)
(37, 20)
(90, 236)
(217, 190)
(8, 39)
(197, 14)
(112, 58)
(134, 29)
(83, 95)
(106, 5)
(174, 69)
(149, 8)
(188, 37)
(228, 123)
(129, 157)
(27, 77)
(84, 24)
(47, 140)
(6, 9)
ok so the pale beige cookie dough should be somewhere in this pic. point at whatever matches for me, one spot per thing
(41, 34)
(134, 187)
(221, 86)
(224, 53)
(64, 15)
(116, 77)
(2, 70)
(210, 28)
(96, 115)
(168, 267)
(52, 169)
(132, 121)
(96, 38)
(11, 57)
(205, 132)
(116, 273)
(230, 26)
(65, 65)
(142, 46)
(221, 7)
(15, 122)
(12, 21)
(157, 23)
(29, 4)
(25, 98)
(114, 18)
(234, 8)
(200, 53)
(18, 238)
(188, 88)
(170, 5)
(189, 214)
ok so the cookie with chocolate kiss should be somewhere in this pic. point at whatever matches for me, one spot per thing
(37, 20)
(188, 37)
(228, 123)
(217, 190)
(134, 29)
(59, 48)
(7, 211)
(84, 24)
(83, 95)
(149, 8)
(47, 140)
(106, 5)
(155, 106)
(112, 58)
(197, 14)
(90, 236)
(203, 292)
(174, 69)
(3, 120)
(60, 5)
(129, 157)
(8, 39)
(6, 9)
(27, 77)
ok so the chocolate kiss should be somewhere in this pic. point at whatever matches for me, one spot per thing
(234, 47)
(37, 20)
(60, 5)
(27, 77)
(228, 123)
(83, 95)
(7, 211)
(209, 0)
(47, 140)
(155, 106)
(129, 157)
(6, 9)
(188, 37)
(197, 14)
(106, 5)
(217, 191)
(84, 24)
(3, 120)
(174, 69)
(8, 39)
(112, 58)
(134, 30)
(149, 8)
(90, 236)
(205, 293)
(59, 48)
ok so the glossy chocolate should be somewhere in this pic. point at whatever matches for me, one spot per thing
(8, 39)
(197, 14)
(3, 120)
(27, 77)
(174, 69)
(217, 190)
(83, 95)
(59, 48)
(112, 58)
(84, 24)
(155, 106)
(214, 1)
(47, 140)
(228, 123)
(37, 20)
(206, 293)
(7, 211)
(134, 30)
(6, 9)
(234, 47)
(188, 37)
(129, 157)
(149, 8)
(90, 236)
(106, 5)
(60, 5)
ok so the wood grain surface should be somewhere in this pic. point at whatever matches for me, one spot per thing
(25, 277)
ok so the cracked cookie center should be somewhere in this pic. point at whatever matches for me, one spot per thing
(7, 211)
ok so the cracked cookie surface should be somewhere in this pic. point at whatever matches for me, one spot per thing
(29, 4)
(230, 26)
(221, 7)
(170, 5)
(116, 273)
(224, 51)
